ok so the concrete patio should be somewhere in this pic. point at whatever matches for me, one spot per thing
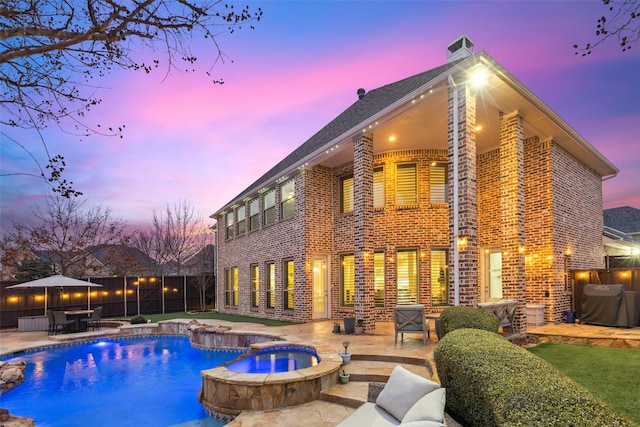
(374, 355)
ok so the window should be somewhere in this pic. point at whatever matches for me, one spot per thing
(254, 214)
(438, 183)
(347, 280)
(269, 207)
(346, 194)
(229, 225)
(270, 284)
(255, 285)
(231, 286)
(242, 219)
(288, 275)
(439, 277)
(378, 278)
(287, 199)
(406, 184)
(378, 187)
(407, 274)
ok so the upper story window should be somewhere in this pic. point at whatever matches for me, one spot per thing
(287, 199)
(438, 183)
(346, 194)
(242, 219)
(229, 221)
(378, 187)
(254, 214)
(269, 207)
(406, 184)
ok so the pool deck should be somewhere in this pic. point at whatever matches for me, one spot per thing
(322, 413)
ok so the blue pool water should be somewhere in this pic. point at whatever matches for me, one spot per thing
(274, 360)
(144, 381)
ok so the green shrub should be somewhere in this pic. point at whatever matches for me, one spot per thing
(138, 319)
(453, 318)
(491, 382)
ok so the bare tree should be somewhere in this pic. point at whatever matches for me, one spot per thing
(50, 52)
(65, 233)
(622, 21)
(149, 242)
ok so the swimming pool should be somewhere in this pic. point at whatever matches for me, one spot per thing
(276, 359)
(140, 381)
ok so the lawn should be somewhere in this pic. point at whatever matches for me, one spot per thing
(611, 374)
(219, 316)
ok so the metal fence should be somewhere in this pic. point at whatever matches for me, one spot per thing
(119, 297)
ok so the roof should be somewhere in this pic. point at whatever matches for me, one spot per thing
(625, 219)
(381, 101)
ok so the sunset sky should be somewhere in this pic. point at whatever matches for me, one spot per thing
(188, 139)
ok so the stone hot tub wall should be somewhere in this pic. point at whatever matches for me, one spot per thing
(227, 393)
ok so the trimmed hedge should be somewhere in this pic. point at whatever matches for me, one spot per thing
(459, 317)
(136, 320)
(491, 382)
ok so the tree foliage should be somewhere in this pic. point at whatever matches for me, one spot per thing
(65, 234)
(622, 21)
(51, 52)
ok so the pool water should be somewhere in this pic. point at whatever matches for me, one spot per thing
(275, 360)
(140, 381)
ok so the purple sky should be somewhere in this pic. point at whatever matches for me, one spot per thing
(187, 139)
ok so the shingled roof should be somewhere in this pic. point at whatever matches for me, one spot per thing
(363, 109)
(625, 219)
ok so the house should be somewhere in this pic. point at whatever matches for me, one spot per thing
(621, 237)
(451, 187)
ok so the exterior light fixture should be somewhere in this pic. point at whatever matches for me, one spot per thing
(478, 77)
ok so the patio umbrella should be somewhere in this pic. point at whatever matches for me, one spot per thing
(57, 281)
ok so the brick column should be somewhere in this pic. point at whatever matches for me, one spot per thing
(462, 140)
(512, 214)
(363, 229)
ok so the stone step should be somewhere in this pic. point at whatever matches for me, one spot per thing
(366, 368)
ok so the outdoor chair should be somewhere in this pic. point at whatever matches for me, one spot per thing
(94, 320)
(52, 322)
(61, 323)
(410, 318)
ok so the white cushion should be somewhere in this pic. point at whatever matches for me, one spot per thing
(428, 408)
(423, 424)
(402, 391)
(368, 415)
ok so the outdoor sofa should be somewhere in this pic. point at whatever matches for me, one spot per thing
(407, 400)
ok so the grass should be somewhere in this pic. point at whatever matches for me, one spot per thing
(218, 316)
(610, 374)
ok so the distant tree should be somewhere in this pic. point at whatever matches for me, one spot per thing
(149, 242)
(33, 269)
(125, 261)
(201, 266)
(65, 233)
(50, 52)
(622, 22)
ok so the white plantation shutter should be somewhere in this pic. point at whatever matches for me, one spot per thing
(347, 190)
(378, 188)
(406, 193)
(438, 183)
(407, 274)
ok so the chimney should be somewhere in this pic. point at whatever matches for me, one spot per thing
(460, 48)
(361, 93)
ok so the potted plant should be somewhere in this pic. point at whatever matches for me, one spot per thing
(349, 324)
(346, 356)
(344, 377)
(359, 326)
(336, 327)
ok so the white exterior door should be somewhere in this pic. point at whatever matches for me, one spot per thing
(492, 274)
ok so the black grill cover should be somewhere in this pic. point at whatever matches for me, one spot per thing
(600, 304)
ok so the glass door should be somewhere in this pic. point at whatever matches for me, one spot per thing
(320, 288)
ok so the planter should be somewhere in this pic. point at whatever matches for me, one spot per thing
(346, 358)
(344, 378)
(336, 329)
(349, 325)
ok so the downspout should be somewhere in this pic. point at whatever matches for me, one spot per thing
(456, 207)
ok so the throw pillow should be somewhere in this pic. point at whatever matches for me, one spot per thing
(428, 408)
(402, 391)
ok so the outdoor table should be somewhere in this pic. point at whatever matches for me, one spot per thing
(76, 315)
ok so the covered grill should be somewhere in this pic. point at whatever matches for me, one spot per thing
(609, 305)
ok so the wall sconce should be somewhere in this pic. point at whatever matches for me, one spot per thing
(567, 252)
(390, 259)
(462, 243)
(521, 249)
